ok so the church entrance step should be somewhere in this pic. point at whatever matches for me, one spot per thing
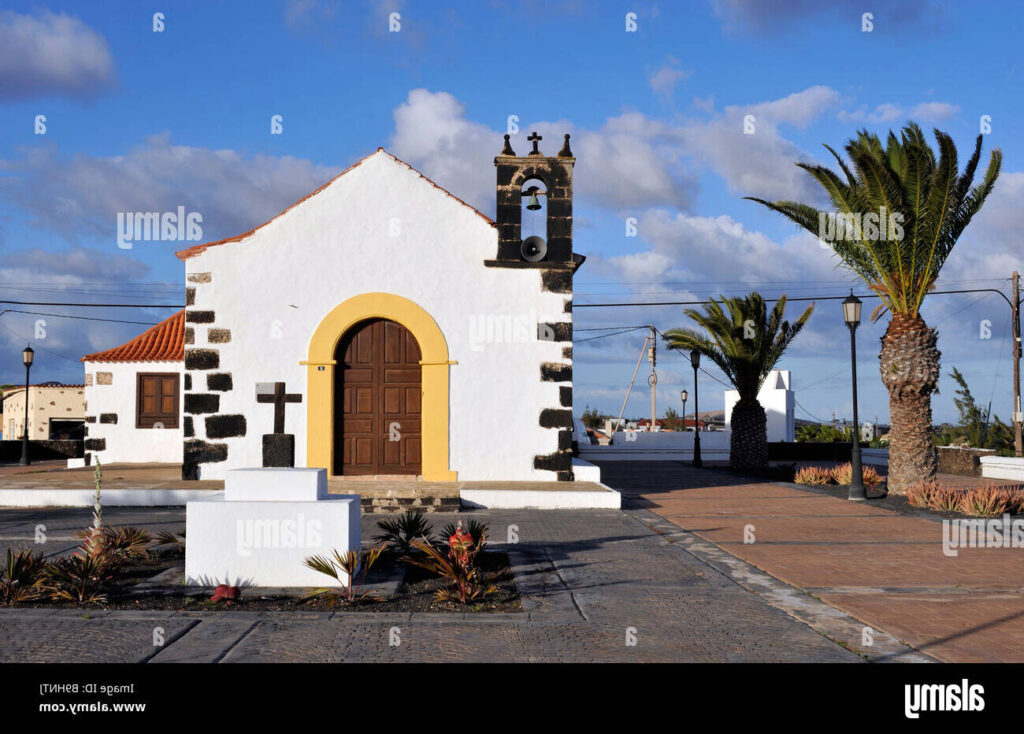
(378, 505)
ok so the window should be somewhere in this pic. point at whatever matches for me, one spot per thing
(156, 400)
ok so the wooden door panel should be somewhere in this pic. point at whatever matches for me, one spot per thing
(379, 395)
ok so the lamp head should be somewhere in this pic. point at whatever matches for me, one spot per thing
(695, 358)
(27, 355)
(851, 310)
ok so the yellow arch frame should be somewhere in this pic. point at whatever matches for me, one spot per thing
(320, 379)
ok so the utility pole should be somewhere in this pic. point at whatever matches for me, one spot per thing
(618, 421)
(1017, 418)
(653, 356)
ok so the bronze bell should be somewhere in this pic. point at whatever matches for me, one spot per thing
(534, 203)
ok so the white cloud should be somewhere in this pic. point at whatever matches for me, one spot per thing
(890, 112)
(627, 163)
(990, 246)
(631, 162)
(50, 54)
(81, 195)
(664, 79)
(760, 164)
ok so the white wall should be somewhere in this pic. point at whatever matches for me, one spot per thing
(125, 442)
(779, 402)
(273, 288)
(664, 445)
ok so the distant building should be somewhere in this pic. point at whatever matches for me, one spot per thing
(55, 412)
(779, 402)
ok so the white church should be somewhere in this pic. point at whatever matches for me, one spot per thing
(379, 327)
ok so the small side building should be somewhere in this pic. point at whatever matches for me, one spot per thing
(133, 396)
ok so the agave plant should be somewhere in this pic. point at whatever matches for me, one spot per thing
(986, 501)
(920, 494)
(946, 499)
(746, 342)
(21, 577)
(926, 203)
(351, 564)
(398, 533)
(813, 475)
(843, 474)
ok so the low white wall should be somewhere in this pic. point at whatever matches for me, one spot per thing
(109, 497)
(125, 442)
(665, 445)
(541, 499)
(584, 471)
(1003, 467)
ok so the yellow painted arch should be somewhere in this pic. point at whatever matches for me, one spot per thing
(435, 363)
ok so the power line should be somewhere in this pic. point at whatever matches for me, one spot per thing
(48, 351)
(95, 305)
(609, 328)
(796, 298)
(808, 412)
(605, 336)
(82, 318)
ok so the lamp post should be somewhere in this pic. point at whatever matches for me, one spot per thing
(851, 314)
(683, 396)
(695, 361)
(26, 357)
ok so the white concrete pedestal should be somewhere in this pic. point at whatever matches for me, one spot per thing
(268, 522)
(1002, 467)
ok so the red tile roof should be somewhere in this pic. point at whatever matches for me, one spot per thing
(198, 249)
(165, 342)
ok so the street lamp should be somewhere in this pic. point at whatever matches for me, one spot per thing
(684, 395)
(851, 314)
(695, 361)
(26, 357)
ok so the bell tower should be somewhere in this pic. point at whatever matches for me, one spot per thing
(543, 242)
(555, 175)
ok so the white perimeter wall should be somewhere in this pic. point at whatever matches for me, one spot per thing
(125, 442)
(383, 228)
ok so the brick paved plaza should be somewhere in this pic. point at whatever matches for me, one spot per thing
(670, 571)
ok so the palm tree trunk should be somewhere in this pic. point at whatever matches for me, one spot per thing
(909, 363)
(748, 444)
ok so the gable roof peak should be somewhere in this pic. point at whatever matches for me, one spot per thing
(198, 249)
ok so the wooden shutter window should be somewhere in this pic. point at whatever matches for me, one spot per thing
(156, 399)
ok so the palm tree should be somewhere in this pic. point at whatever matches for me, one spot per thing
(746, 343)
(899, 212)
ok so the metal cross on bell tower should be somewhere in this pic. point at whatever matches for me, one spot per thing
(535, 139)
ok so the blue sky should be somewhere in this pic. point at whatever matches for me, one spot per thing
(144, 120)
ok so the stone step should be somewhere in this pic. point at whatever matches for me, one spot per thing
(380, 504)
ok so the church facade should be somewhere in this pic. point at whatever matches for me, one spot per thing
(383, 327)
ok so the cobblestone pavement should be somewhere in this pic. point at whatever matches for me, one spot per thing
(593, 583)
(883, 567)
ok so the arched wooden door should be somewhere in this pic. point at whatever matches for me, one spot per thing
(377, 401)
